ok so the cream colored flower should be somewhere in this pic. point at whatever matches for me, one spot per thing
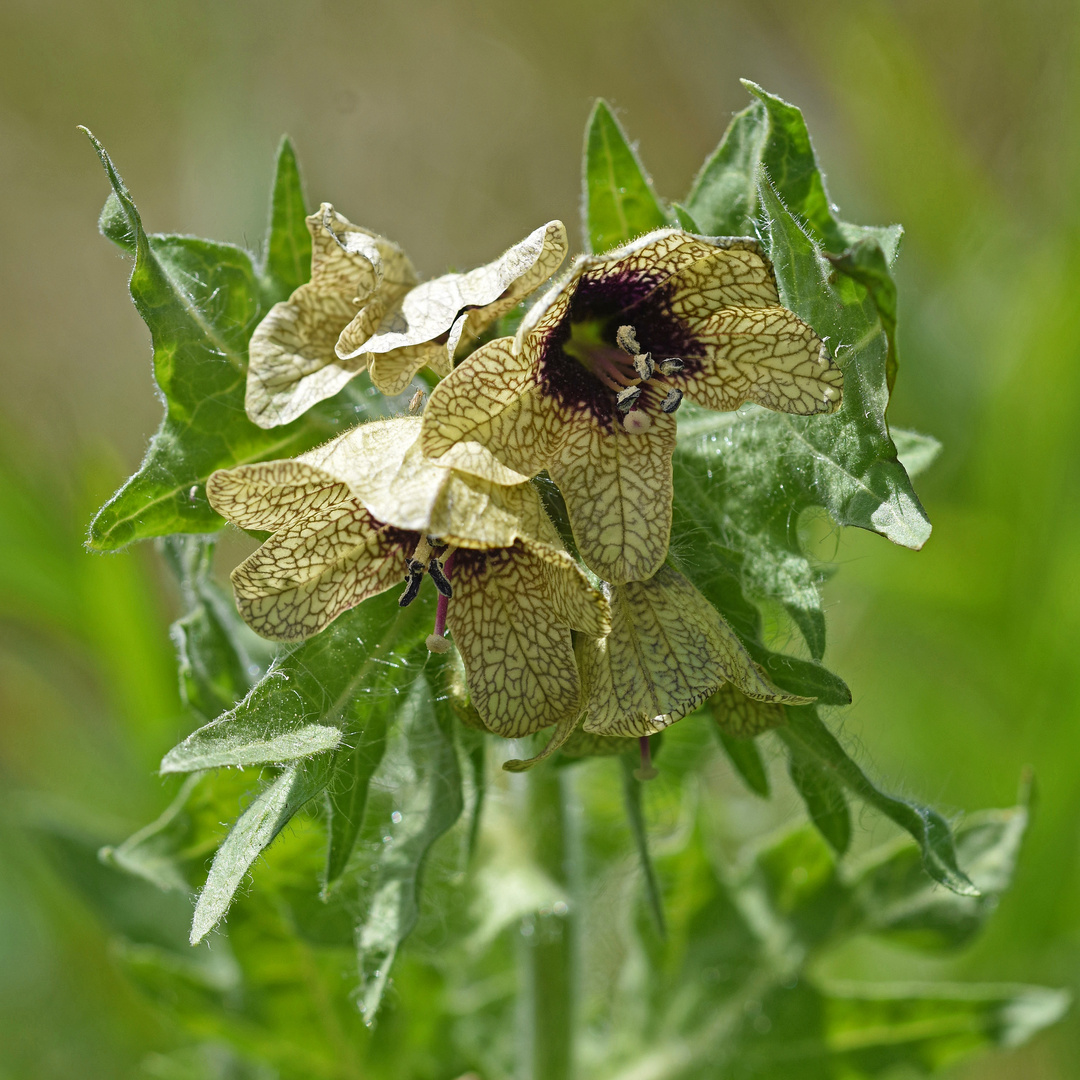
(433, 318)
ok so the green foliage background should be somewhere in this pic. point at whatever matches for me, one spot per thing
(453, 129)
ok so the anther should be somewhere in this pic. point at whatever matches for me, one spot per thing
(415, 579)
(436, 571)
(672, 366)
(624, 399)
(636, 421)
(626, 339)
(672, 401)
(644, 366)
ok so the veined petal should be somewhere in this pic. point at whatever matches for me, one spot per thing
(618, 493)
(430, 311)
(270, 494)
(765, 355)
(744, 717)
(567, 589)
(669, 649)
(368, 456)
(292, 364)
(392, 372)
(519, 660)
(311, 571)
(493, 399)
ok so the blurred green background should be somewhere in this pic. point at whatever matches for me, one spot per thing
(455, 128)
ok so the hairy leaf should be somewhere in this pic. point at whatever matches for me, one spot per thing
(618, 201)
(426, 780)
(316, 692)
(745, 758)
(808, 739)
(201, 300)
(288, 242)
(270, 811)
(823, 796)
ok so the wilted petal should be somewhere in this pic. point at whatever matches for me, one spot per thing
(433, 317)
(669, 649)
(742, 716)
(312, 570)
(493, 398)
(618, 493)
(519, 661)
(292, 363)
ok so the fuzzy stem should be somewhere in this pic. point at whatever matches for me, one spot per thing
(549, 952)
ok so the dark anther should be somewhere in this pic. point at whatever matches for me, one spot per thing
(671, 366)
(412, 590)
(672, 401)
(441, 583)
(624, 399)
(644, 366)
(627, 340)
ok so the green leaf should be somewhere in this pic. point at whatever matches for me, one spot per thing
(618, 201)
(270, 811)
(858, 1030)
(915, 452)
(317, 692)
(808, 739)
(353, 767)
(745, 758)
(823, 796)
(636, 819)
(288, 241)
(218, 657)
(201, 301)
(897, 901)
(723, 198)
(424, 773)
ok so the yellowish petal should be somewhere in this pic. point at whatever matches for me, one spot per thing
(669, 649)
(744, 717)
(311, 571)
(270, 494)
(519, 660)
(582, 744)
(567, 589)
(292, 364)
(618, 493)
(563, 730)
(368, 456)
(765, 355)
(429, 313)
(493, 399)
(392, 372)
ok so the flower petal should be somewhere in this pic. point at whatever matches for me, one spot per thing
(308, 573)
(270, 494)
(563, 730)
(669, 649)
(765, 355)
(741, 716)
(493, 399)
(519, 660)
(292, 363)
(429, 314)
(573, 600)
(618, 493)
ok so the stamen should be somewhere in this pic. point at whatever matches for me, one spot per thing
(626, 339)
(647, 770)
(415, 579)
(437, 642)
(672, 401)
(671, 366)
(435, 569)
(636, 421)
(624, 400)
(644, 366)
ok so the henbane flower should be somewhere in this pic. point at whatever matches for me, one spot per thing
(291, 359)
(367, 511)
(589, 387)
(432, 319)
(668, 651)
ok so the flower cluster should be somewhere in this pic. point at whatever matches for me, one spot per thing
(588, 391)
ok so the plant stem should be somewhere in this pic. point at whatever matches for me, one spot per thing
(548, 954)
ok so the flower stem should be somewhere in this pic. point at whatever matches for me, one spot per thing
(548, 954)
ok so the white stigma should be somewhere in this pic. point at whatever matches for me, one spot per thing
(437, 643)
(637, 421)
